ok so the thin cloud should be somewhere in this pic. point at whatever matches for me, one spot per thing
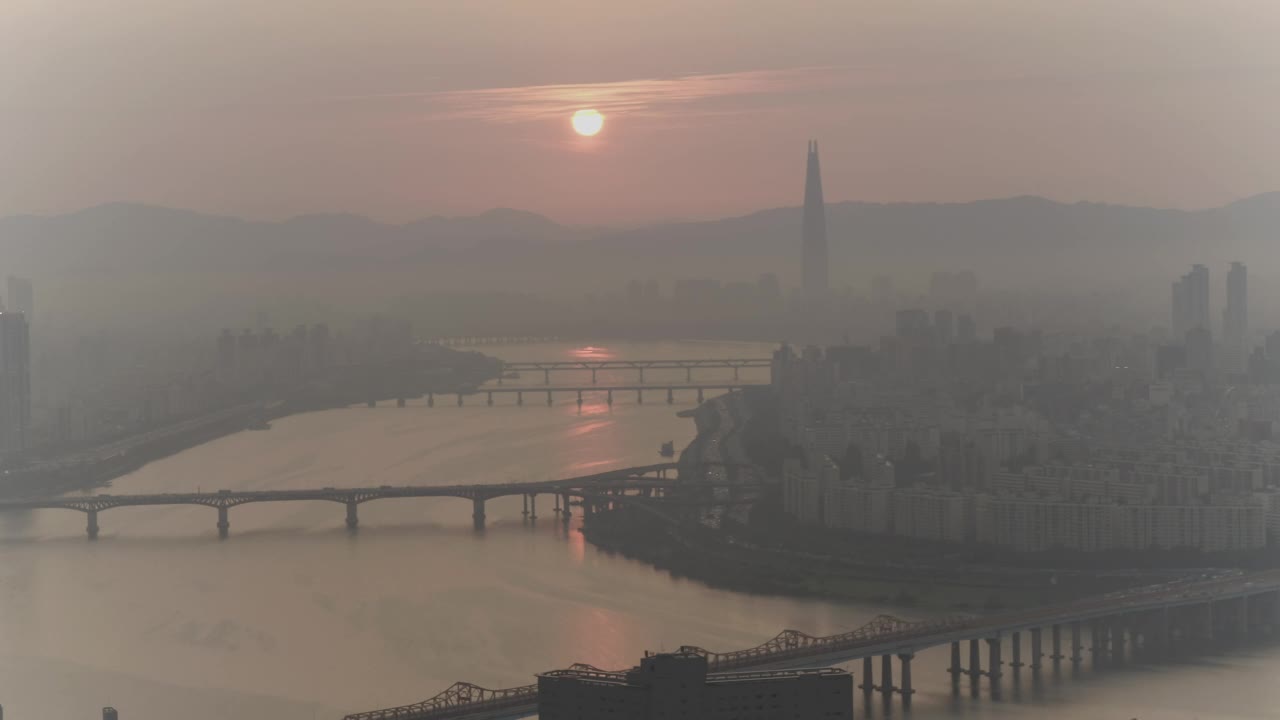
(539, 102)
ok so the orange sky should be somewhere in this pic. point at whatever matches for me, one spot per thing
(400, 110)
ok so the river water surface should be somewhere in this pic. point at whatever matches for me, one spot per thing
(294, 617)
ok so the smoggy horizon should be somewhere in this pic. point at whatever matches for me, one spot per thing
(401, 112)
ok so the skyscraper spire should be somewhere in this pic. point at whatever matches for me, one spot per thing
(814, 229)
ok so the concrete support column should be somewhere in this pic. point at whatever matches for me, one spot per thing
(223, 525)
(1117, 640)
(886, 677)
(868, 676)
(1097, 642)
(609, 398)
(639, 397)
(735, 373)
(688, 375)
(1036, 652)
(91, 528)
(548, 398)
(993, 652)
(1016, 650)
(955, 668)
(557, 508)
(353, 518)
(533, 506)
(593, 376)
(519, 398)
(477, 513)
(905, 688)
(1056, 639)
(566, 512)
(400, 402)
(671, 396)
(1076, 647)
(431, 399)
(459, 399)
(372, 402)
(579, 398)
(975, 660)
(641, 376)
(546, 377)
(700, 396)
(490, 399)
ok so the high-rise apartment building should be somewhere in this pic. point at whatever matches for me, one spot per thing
(1190, 303)
(15, 381)
(1235, 319)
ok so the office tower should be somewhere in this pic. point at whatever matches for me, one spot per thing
(814, 230)
(1190, 306)
(1235, 319)
(944, 325)
(20, 296)
(966, 329)
(15, 381)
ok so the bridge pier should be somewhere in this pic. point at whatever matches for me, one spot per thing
(905, 688)
(566, 512)
(956, 670)
(886, 677)
(557, 508)
(641, 376)
(353, 517)
(735, 373)
(491, 399)
(671, 396)
(1117, 640)
(579, 399)
(546, 377)
(639, 396)
(400, 402)
(459, 399)
(533, 506)
(431, 400)
(688, 375)
(224, 526)
(91, 528)
(1096, 642)
(1036, 649)
(1076, 647)
(519, 398)
(1015, 650)
(993, 658)
(593, 376)
(699, 396)
(975, 661)
(548, 398)
(609, 398)
(477, 513)
(371, 402)
(868, 685)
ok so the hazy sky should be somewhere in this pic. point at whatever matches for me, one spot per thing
(271, 108)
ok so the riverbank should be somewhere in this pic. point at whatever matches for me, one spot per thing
(444, 371)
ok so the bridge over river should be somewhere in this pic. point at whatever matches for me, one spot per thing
(546, 367)
(1157, 619)
(611, 486)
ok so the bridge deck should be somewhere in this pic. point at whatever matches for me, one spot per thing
(883, 636)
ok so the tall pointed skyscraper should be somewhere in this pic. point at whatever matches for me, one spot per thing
(814, 229)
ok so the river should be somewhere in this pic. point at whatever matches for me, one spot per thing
(293, 617)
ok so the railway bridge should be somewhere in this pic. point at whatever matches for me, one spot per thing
(1159, 620)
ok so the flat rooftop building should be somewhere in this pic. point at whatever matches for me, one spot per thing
(677, 685)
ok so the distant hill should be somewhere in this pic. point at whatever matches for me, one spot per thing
(1009, 238)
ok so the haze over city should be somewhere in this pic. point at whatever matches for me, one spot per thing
(752, 360)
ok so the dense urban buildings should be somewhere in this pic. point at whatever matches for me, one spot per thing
(1235, 319)
(669, 686)
(814, 230)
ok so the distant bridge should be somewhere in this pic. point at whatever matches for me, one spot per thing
(472, 340)
(607, 390)
(546, 367)
(1159, 619)
(606, 487)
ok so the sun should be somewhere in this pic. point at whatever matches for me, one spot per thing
(587, 122)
